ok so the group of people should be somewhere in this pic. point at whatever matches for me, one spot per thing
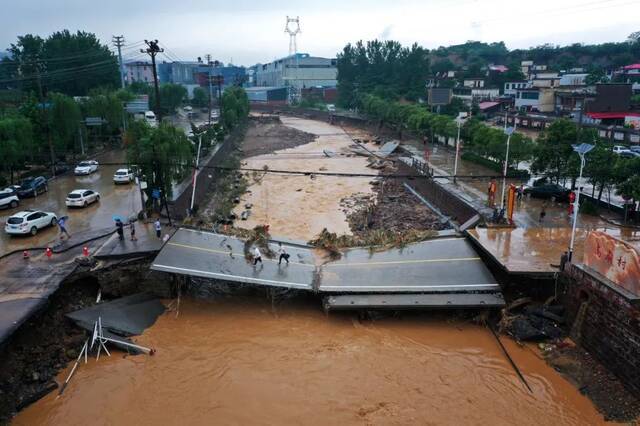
(132, 229)
(282, 255)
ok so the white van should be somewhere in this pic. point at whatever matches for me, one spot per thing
(150, 118)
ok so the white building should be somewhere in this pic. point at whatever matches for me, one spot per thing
(474, 83)
(138, 71)
(300, 71)
(573, 80)
(511, 87)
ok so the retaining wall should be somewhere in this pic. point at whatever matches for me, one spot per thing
(180, 204)
(607, 325)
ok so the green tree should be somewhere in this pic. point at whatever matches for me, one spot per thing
(200, 97)
(16, 143)
(163, 155)
(68, 63)
(554, 149)
(235, 107)
(64, 121)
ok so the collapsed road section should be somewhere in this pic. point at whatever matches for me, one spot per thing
(441, 266)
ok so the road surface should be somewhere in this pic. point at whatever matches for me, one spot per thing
(123, 200)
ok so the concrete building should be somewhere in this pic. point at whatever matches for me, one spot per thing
(539, 99)
(511, 87)
(138, 71)
(300, 71)
(545, 79)
(573, 80)
(267, 95)
(475, 83)
(194, 74)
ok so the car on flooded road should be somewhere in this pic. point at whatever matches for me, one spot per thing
(85, 168)
(547, 191)
(81, 198)
(9, 198)
(29, 222)
(123, 176)
(31, 187)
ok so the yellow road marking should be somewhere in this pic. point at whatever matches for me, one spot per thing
(230, 253)
(392, 262)
(399, 262)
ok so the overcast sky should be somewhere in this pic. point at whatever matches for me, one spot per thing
(251, 31)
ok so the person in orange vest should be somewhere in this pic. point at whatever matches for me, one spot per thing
(491, 191)
(572, 200)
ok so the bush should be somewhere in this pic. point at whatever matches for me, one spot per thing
(588, 207)
(496, 167)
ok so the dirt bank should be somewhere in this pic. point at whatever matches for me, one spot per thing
(267, 134)
(41, 347)
(239, 361)
(298, 206)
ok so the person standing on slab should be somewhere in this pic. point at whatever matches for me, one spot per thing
(158, 227)
(283, 254)
(257, 256)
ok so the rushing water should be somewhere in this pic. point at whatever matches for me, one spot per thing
(238, 361)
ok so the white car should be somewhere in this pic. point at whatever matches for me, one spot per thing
(9, 198)
(29, 222)
(123, 176)
(81, 198)
(86, 167)
(619, 149)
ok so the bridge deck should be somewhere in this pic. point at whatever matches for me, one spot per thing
(445, 265)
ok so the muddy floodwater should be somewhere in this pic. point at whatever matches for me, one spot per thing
(237, 361)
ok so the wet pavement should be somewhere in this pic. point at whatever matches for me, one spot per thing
(122, 200)
(436, 266)
(538, 249)
(534, 245)
(241, 361)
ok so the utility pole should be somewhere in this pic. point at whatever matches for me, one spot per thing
(152, 50)
(45, 111)
(208, 57)
(118, 41)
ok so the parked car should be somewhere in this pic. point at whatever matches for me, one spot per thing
(9, 199)
(86, 167)
(549, 190)
(30, 187)
(29, 222)
(634, 148)
(123, 176)
(619, 149)
(629, 154)
(81, 198)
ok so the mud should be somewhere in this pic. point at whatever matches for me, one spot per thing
(391, 208)
(240, 361)
(300, 206)
(268, 134)
(594, 381)
(41, 348)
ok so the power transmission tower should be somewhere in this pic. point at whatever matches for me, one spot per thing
(118, 41)
(292, 28)
(152, 50)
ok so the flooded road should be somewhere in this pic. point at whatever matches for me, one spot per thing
(235, 361)
(122, 200)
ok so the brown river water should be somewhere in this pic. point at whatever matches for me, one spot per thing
(238, 361)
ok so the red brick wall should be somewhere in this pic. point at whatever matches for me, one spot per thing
(611, 325)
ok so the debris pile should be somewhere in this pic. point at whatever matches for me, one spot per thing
(392, 209)
(526, 322)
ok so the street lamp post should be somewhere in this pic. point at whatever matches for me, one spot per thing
(459, 121)
(195, 175)
(582, 150)
(509, 131)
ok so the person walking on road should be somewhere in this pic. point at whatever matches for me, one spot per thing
(120, 229)
(491, 193)
(543, 212)
(133, 231)
(283, 254)
(257, 256)
(158, 227)
(63, 229)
